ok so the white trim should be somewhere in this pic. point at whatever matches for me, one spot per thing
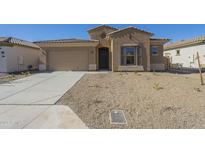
(130, 45)
(131, 68)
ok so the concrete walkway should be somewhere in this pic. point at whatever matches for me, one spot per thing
(30, 102)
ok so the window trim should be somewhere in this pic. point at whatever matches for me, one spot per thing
(135, 56)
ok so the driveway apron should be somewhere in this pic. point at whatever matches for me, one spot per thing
(30, 102)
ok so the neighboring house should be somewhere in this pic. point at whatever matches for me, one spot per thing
(184, 53)
(128, 49)
(19, 55)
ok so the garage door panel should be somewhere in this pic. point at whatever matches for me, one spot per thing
(68, 60)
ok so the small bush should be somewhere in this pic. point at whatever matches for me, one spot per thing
(198, 89)
(157, 86)
(12, 77)
(22, 73)
(25, 73)
(28, 73)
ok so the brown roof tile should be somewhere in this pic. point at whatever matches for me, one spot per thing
(67, 41)
(102, 26)
(128, 28)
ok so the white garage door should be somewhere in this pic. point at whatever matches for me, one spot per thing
(65, 60)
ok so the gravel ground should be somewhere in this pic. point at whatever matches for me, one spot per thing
(149, 100)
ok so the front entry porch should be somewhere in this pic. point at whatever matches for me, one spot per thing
(103, 58)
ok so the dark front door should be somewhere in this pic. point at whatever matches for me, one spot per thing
(103, 58)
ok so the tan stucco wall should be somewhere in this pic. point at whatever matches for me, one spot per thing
(84, 56)
(30, 57)
(96, 35)
(70, 58)
(136, 38)
(157, 59)
(103, 42)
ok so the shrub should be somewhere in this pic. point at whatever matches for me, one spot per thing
(157, 86)
(198, 89)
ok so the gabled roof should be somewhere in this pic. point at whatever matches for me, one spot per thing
(185, 43)
(16, 41)
(100, 27)
(128, 29)
(67, 41)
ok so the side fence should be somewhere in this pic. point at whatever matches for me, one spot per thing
(177, 68)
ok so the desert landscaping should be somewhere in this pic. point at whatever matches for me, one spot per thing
(148, 100)
(8, 77)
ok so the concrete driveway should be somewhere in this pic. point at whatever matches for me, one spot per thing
(30, 102)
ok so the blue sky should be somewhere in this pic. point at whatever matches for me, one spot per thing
(37, 32)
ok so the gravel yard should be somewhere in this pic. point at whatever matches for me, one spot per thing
(149, 100)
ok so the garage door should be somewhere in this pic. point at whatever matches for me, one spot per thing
(65, 60)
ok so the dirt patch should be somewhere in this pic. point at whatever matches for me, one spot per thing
(149, 100)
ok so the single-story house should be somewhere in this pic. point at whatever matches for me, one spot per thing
(19, 55)
(128, 49)
(183, 53)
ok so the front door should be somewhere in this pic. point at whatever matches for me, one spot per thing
(103, 58)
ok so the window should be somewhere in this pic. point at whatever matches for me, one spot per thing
(128, 55)
(177, 52)
(154, 50)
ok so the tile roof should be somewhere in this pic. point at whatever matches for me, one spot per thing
(16, 41)
(102, 26)
(128, 28)
(185, 43)
(67, 41)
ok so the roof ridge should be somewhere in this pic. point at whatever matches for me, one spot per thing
(103, 25)
(129, 27)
